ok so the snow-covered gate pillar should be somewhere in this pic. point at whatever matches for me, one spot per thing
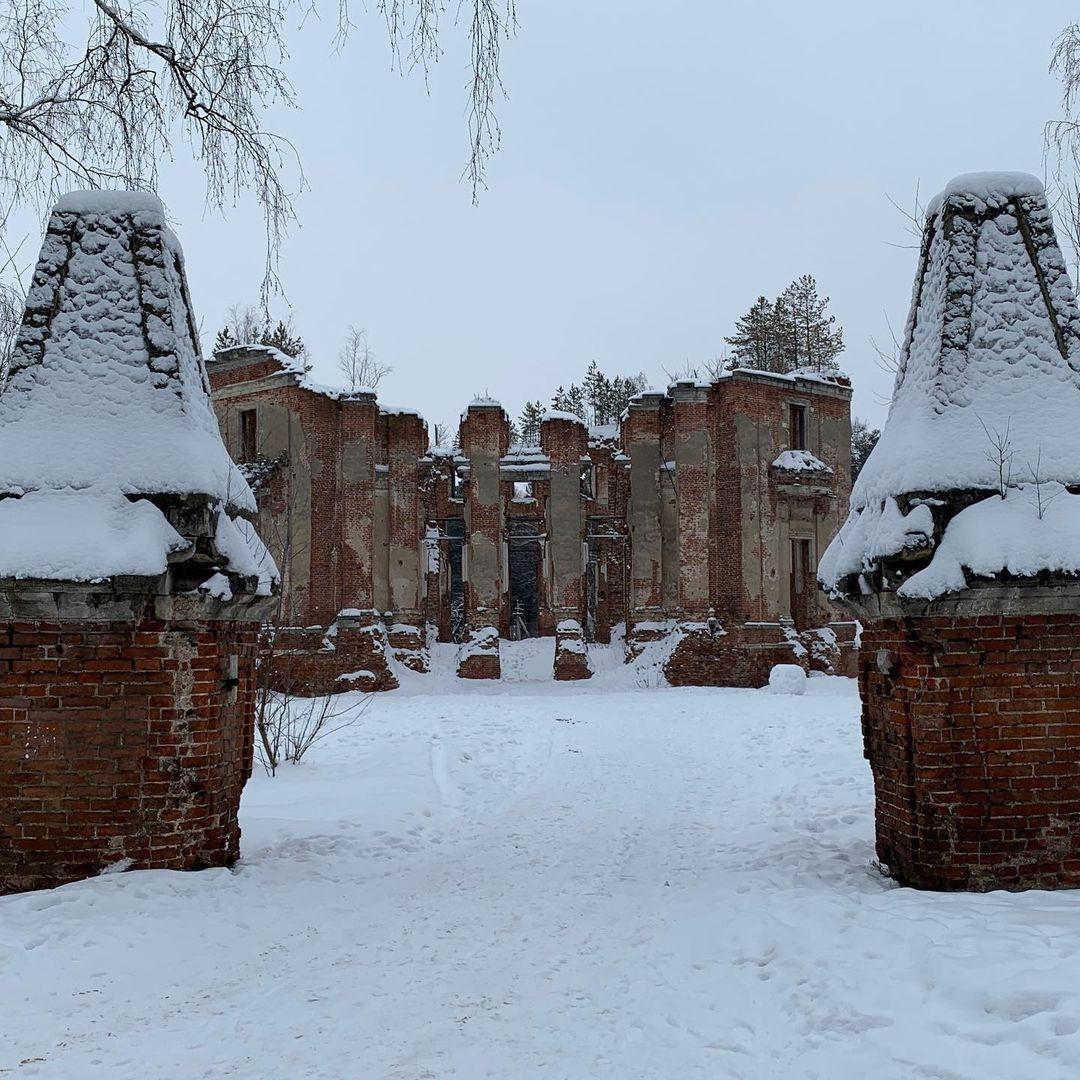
(961, 553)
(132, 587)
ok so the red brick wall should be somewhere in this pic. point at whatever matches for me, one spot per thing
(972, 729)
(120, 742)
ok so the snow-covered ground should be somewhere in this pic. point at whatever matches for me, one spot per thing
(534, 880)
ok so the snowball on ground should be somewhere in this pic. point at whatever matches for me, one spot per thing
(83, 536)
(997, 535)
(787, 679)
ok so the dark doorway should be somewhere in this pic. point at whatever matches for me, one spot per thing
(592, 591)
(525, 548)
(801, 585)
(455, 543)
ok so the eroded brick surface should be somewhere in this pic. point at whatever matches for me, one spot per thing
(122, 742)
(971, 726)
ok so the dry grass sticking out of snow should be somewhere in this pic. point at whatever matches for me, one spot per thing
(542, 880)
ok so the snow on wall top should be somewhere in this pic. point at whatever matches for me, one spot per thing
(108, 388)
(991, 354)
(559, 414)
(992, 344)
(109, 202)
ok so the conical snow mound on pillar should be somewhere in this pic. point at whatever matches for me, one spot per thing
(985, 408)
(108, 401)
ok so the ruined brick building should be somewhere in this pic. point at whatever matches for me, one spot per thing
(698, 519)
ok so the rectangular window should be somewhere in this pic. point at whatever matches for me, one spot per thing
(797, 427)
(249, 435)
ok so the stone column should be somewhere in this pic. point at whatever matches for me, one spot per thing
(692, 467)
(406, 445)
(566, 442)
(354, 653)
(484, 441)
(961, 573)
(643, 445)
(359, 417)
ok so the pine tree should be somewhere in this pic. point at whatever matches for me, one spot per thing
(224, 340)
(529, 423)
(623, 388)
(597, 390)
(283, 339)
(754, 343)
(764, 337)
(570, 401)
(818, 340)
(863, 439)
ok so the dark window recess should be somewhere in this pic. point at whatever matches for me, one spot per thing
(588, 482)
(249, 434)
(797, 426)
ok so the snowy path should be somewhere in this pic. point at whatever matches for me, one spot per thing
(534, 880)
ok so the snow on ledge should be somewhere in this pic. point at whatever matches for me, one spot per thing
(876, 532)
(83, 535)
(1007, 535)
(800, 461)
(560, 414)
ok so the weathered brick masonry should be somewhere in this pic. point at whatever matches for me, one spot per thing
(971, 726)
(684, 511)
(122, 743)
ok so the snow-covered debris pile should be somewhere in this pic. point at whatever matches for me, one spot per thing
(106, 420)
(987, 395)
(800, 461)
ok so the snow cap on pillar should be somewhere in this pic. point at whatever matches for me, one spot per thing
(989, 370)
(107, 401)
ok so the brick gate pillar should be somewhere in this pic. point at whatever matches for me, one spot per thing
(960, 557)
(132, 585)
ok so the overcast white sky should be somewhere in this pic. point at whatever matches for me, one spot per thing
(663, 163)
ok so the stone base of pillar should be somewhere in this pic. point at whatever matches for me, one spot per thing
(971, 724)
(478, 657)
(127, 747)
(571, 652)
(408, 646)
(351, 654)
(733, 655)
